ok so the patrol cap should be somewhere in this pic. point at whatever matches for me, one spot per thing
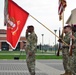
(68, 26)
(30, 27)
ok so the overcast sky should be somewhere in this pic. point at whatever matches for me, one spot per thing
(46, 11)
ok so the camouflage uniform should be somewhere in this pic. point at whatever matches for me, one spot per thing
(31, 47)
(74, 56)
(65, 54)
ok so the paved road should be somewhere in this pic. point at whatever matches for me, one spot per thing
(19, 67)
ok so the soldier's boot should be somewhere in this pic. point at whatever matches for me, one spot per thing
(69, 73)
(33, 73)
(66, 73)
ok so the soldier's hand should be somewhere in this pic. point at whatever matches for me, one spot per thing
(27, 31)
(60, 40)
(71, 36)
(30, 53)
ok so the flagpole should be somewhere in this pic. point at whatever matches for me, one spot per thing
(63, 24)
(48, 29)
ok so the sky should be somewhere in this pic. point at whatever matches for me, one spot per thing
(45, 11)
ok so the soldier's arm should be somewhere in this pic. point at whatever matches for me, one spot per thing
(34, 43)
(73, 37)
(26, 34)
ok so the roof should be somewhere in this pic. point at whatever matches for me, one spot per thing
(72, 17)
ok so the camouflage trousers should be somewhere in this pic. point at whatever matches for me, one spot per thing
(74, 62)
(30, 60)
(66, 60)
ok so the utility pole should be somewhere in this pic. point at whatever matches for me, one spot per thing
(42, 42)
(55, 41)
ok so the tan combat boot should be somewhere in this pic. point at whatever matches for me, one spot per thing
(66, 73)
(32, 73)
(69, 73)
(63, 74)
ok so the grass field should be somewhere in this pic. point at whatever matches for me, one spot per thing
(39, 55)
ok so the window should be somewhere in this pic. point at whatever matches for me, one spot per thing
(4, 46)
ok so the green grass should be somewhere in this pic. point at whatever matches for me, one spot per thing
(37, 57)
(12, 54)
(48, 57)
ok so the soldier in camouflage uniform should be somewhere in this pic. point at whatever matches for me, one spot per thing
(31, 45)
(65, 51)
(74, 53)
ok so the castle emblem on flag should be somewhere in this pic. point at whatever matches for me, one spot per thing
(13, 24)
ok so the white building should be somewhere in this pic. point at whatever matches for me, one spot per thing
(72, 18)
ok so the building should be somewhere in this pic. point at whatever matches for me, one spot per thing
(72, 19)
(5, 46)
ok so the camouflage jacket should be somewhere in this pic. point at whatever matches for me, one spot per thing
(67, 38)
(74, 40)
(31, 43)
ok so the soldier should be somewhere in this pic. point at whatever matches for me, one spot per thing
(65, 50)
(31, 45)
(73, 69)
